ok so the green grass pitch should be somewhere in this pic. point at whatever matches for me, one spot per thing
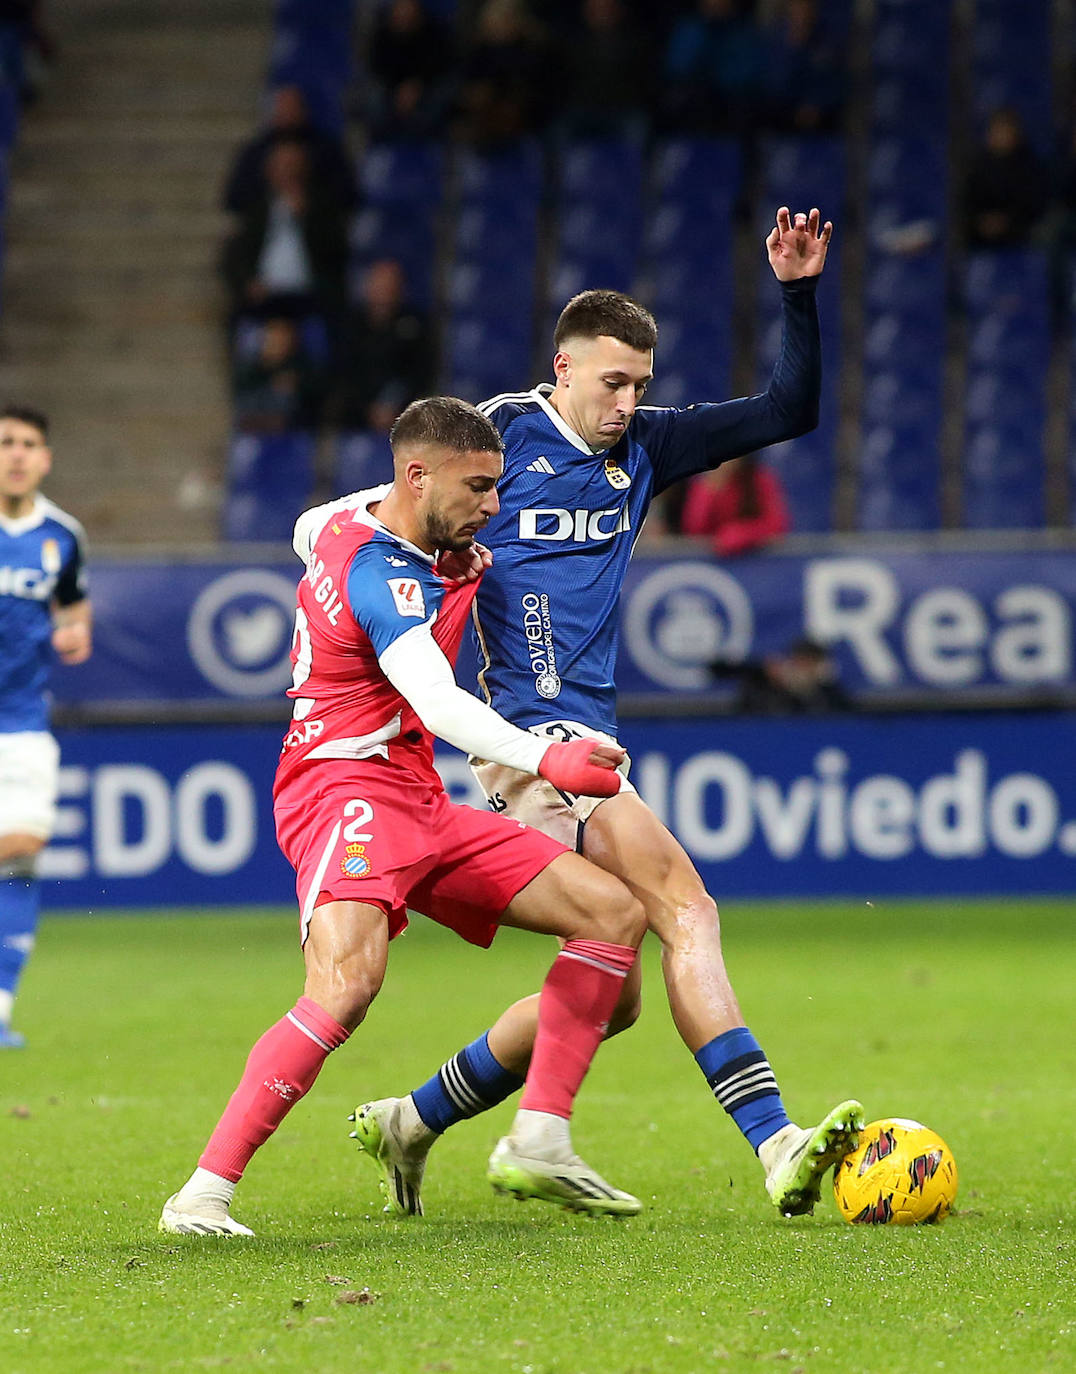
(959, 1014)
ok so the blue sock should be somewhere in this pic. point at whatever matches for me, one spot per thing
(20, 900)
(741, 1079)
(469, 1083)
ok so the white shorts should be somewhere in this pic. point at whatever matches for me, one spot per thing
(29, 780)
(537, 803)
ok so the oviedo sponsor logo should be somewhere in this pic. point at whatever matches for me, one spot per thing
(718, 808)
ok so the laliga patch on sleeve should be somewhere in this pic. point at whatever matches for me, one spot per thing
(407, 593)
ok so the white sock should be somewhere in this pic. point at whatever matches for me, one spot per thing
(771, 1150)
(7, 1001)
(205, 1193)
(541, 1135)
(411, 1126)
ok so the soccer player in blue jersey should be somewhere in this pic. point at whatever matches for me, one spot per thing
(44, 613)
(583, 460)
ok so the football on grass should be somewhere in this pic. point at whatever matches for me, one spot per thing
(901, 1174)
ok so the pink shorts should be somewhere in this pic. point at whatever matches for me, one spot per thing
(367, 832)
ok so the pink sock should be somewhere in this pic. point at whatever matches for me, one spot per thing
(577, 1000)
(281, 1068)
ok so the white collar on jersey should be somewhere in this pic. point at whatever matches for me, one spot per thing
(23, 523)
(358, 503)
(540, 394)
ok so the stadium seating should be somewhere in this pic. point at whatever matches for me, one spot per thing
(1007, 307)
(660, 222)
(270, 478)
(363, 459)
(686, 276)
(490, 285)
(401, 186)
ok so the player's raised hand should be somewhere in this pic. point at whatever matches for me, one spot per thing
(468, 566)
(584, 767)
(797, 247)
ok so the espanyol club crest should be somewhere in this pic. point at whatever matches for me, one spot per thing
(355, 864)
(616, 476)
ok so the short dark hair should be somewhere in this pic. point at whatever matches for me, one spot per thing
(592, 313)
(448, 422)
(28, 416)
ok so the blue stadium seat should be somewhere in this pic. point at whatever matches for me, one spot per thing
(904, 392)
(393, 231)
(907, 103)
(906, 180)
(898, 285)
(487, 354)
(697, 352)
(501, 178)
(899, 476)
(410, 173)
(477, 287)
(801, 173)
(270, 478)
(363, 459)
(1004, 476)
(701, 175)
(681, 287)
(806, 467)
(1013, 282)
(606, 172)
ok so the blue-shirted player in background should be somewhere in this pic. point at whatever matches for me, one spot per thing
(44, 612)
(583, 460)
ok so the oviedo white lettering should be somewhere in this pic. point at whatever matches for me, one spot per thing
(949, 639)
(718, 808)
(132, 820)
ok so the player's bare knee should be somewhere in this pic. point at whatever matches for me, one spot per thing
(618, 917)
(687, 918)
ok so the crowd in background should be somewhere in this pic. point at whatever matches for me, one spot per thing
(314, 345)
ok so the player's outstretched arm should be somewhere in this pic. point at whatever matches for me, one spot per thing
(417, 668)
(797, 246)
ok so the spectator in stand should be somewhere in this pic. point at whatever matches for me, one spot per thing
(289, 118)
(1005, 195)
(714, 68)
(25, 43)
(278, 388)
(805, 81)
(800, 682)
(290, 248)
(385, 356)
(608, 73)
(409, 62)
(505, 76)
(739, 506)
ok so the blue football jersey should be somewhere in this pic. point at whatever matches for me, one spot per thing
(41, 562)
(546, 614)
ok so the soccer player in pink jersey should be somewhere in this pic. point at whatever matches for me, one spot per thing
(364, 819)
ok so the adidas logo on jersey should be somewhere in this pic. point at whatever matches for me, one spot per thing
(394, 562)
(542, 465)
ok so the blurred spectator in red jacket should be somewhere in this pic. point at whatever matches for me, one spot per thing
(739, 505)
